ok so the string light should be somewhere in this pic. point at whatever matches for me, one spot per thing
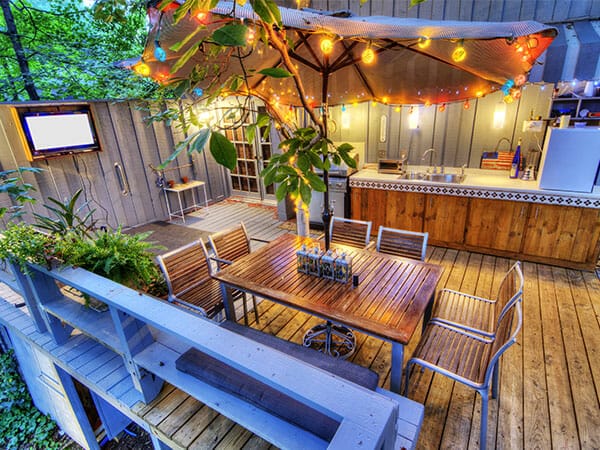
(142, 68)
(479, 94)
(159, 52)
(326, 45)
(398, 109)
(466, 104)
(250, 36)
(202, 17)
(368, 56)
(459, 54)
(385, 100)
(424, 42)
(442, 107)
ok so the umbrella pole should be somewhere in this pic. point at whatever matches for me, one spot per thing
(327, 212)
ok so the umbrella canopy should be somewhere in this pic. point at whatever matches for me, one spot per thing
(351, 59)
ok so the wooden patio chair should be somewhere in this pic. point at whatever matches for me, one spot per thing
(354, 233)
(229, 246)
(409, 244)
(469, 358)
(335, 339)
(187, 273)
(477, 314)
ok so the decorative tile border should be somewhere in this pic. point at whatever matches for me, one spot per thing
(432, 188)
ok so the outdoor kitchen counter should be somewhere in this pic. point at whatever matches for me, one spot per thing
(479, 183)
(488, 213)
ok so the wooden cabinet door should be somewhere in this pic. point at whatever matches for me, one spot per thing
(562, 232)
(404, 210)
(445, 218)
(496, 224)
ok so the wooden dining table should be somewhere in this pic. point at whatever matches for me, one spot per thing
(391, 298)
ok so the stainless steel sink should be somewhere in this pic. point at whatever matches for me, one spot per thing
(445, 177)
(433, 177)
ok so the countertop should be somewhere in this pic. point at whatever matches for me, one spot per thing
(493, 184)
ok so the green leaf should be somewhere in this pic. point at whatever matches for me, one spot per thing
(315, 159)
(267, 10)
(262, 120)
(223, 150)
(345, 147)
(200, 140)
(348, 159)
(305, 193)
(303, 162)
(178, 45)
(413, 2)
(275, 72)
(231, 35)
(185, 58)
(316, 182)
(250, 133)
(281, 191)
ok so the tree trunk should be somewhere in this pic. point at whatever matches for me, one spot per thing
(15, 39)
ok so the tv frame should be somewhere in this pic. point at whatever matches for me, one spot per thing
(33, 154)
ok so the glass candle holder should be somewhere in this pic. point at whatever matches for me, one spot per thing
(343, 268)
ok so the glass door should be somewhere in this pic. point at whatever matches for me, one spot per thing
(252, 158)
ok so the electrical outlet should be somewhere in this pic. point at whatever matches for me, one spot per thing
(381, 153)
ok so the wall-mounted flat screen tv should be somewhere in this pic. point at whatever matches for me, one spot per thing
(57, 133)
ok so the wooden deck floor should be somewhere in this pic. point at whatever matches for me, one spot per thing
(550, 380)
(549, 391)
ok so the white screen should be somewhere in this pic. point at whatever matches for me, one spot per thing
(60, 131)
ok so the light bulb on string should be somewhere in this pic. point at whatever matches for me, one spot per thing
(442, 107)
(368, 55)
(459, 54)
(202, 17)
(424, 42)
(159, 52)
(142, 69)
(466, 104)
(326, 45)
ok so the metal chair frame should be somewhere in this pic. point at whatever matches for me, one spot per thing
(477, 314)
(225, 254)
(424, 356)
(186, 270)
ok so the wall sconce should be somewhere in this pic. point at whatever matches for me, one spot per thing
(413, 118)
(383, 128)
(499, 115)
(345, 118)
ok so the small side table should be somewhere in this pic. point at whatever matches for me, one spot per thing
(179, 189)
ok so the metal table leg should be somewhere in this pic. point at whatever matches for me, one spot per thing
(396, 371)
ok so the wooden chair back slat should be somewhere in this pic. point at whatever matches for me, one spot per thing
(354, 233)
(408, 244)
(187, 274)
(230, 244)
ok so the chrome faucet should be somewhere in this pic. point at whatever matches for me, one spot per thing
(500, 141)
(430, 150)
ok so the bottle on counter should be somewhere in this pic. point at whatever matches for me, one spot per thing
(515, 166)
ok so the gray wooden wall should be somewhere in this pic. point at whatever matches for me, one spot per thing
(459, 135)
(126, 140)
(546, 11)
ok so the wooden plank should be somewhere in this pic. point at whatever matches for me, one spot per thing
(536, 429)
(562, 414)
(585, 399)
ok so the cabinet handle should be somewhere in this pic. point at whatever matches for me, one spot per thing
(123, 184)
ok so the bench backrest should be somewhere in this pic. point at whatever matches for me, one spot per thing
(355, 233)
(409, 244)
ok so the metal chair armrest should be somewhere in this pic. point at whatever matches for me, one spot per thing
(473, 297)
(221, 260)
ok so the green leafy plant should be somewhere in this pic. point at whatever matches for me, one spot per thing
(124, 258)
(67, 217)
(22, 425)
(12, 183)
(22, 243)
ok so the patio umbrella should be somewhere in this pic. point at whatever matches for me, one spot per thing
(346, 59)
